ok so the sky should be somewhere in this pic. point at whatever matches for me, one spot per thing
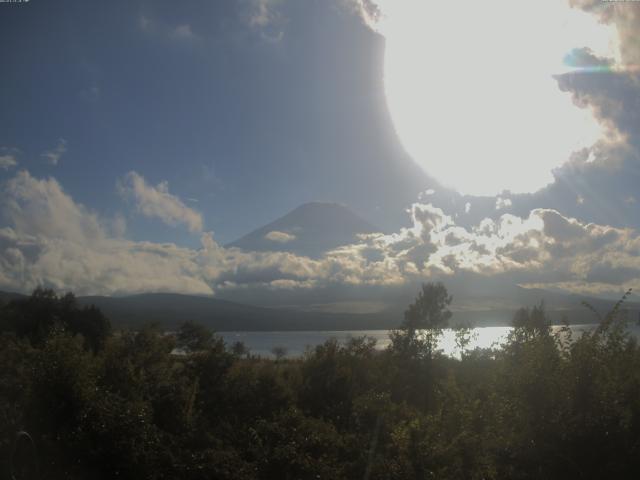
(486, 142)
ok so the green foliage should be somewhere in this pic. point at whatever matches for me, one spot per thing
(531, 322)
(44, 312)
(430, 309)
(423, 323)
(239, 349)
(547, 405)
(193, 337)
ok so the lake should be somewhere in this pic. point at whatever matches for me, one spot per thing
(297, 342)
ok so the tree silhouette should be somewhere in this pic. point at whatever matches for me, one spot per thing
(279, 352)
(44, 312)
(430, 309)
(423, 322)
(193, 336)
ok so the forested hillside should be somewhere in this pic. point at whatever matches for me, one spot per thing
(101, 404)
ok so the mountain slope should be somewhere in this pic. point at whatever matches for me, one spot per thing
(170, 310)
(310, 230)
(6, 297)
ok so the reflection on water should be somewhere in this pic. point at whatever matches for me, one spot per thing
(295, 343)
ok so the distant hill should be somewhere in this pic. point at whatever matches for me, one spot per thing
(170, 310)
(310, 230)
(6, 297)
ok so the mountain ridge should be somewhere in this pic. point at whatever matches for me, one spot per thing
(310, 229)
(171, 309)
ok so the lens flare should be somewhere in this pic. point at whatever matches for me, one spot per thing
(472, 91)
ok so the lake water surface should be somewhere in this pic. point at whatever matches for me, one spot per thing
(296, 343)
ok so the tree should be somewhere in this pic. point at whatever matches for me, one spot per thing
(279, 352)
(430, 309)
(193, 336)
(423, 321)
(239, 349)
(91, 323)
(532, 322)
(37, 317)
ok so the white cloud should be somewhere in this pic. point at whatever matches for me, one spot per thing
(427, 193)
(49, 239)
(157, 202)
(265, 16)
(545, 245)
(53, 156)
(157, 28)
(502, 203)
(52, 240)
(183, 32)
(7, 161)
(280, 237)
(41, 208)
(263, 12)
(626, 21)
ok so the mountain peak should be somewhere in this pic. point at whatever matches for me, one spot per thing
(311, 230)
(319, 206)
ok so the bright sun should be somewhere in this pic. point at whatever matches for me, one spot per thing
(471, 91)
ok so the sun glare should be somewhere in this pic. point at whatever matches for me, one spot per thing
(471, 88)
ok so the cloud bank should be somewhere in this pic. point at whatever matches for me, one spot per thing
(54, 241)
(157, 202)
(626, 18)
(50, 239)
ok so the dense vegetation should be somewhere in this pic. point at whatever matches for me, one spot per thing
(103, 405)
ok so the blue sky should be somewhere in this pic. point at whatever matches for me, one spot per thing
(140, 131)
(227, 111)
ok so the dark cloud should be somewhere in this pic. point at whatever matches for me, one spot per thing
(625, 16)
(585, 58)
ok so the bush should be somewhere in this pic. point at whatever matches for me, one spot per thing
(127, 406)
